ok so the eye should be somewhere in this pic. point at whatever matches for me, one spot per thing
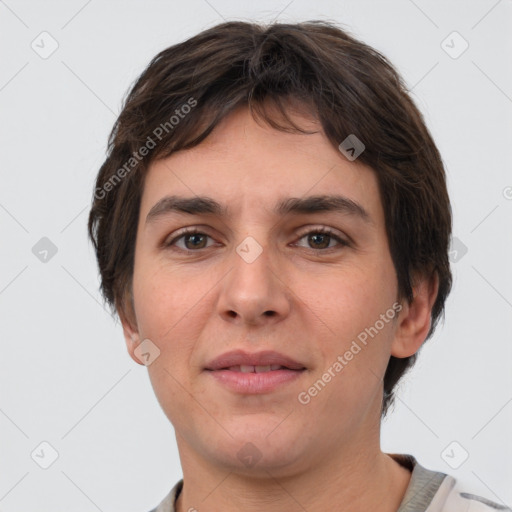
(318, 239)
(322, 238)
(190, 240)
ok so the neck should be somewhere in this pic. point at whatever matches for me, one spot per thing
(355, 480)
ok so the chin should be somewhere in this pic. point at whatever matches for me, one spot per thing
(260, 447)
(258, 461)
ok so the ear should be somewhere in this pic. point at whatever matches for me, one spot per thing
(415, 317)
(130, 331)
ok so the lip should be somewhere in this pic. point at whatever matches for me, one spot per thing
(263, 358)
(225, 369)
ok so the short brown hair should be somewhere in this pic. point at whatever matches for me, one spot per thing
(349, 87)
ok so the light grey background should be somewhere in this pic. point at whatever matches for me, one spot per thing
(65, 377)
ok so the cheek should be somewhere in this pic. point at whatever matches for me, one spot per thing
(165, 301)
(347, 308)
(346, 301)
(350, 378)
(170, 313)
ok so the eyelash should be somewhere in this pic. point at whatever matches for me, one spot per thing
(323, 231)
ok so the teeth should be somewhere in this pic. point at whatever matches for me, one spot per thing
(245, 368)
(261, 369)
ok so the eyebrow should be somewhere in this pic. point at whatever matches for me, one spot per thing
(309, 205)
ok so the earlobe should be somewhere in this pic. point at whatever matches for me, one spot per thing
(415, 318)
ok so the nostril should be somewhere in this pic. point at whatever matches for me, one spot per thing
(270, 313)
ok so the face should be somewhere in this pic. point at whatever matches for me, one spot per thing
(286, 262)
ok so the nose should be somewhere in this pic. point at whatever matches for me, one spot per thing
(254, 291)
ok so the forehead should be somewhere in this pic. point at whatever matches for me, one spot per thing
(246, 164)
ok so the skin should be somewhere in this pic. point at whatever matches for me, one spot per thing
(199, 305)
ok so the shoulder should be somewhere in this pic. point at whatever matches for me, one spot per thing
(168, 503)
(434, 491)
(454, 496)
(460, 498)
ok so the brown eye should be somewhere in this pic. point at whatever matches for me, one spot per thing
(195, 241)
(320, 239)
(190, 241)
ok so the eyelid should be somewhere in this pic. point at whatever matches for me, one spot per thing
(319, 229)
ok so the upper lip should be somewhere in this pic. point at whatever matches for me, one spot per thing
(264, 358)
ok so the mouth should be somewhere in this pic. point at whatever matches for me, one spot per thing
(257, 362)
(247, 368)
(257, 373)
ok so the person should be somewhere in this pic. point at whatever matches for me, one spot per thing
(272, 227)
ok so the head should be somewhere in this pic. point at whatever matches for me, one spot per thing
(250, 118)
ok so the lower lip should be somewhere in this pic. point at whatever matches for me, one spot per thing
(255, 383)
